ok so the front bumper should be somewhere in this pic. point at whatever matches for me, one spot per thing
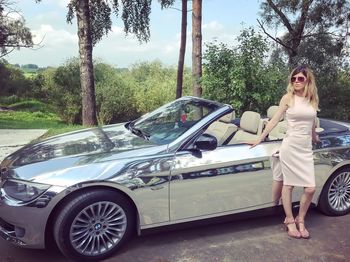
(24, 224)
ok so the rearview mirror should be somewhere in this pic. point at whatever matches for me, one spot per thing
(206, 142)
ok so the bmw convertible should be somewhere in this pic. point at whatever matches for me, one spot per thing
(90, 190)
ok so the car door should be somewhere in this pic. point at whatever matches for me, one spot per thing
(226, 180)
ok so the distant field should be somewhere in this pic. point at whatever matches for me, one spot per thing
(30, 74)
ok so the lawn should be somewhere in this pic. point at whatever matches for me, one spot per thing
(33, 114)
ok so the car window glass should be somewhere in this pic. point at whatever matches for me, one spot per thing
(168, 122)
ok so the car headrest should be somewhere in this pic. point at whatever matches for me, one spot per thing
(271, 111)
(250, 121)
(228, 117)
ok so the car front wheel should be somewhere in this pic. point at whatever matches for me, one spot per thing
(335, 196)
(92, 226)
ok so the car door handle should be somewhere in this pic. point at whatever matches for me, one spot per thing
(156, 187)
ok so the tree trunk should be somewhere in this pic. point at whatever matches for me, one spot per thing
(86, 65)
(180, 68)
(197, 46)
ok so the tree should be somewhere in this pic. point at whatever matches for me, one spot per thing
(241, 75)
(180, 67)
(304, 19)
(13, 81)
(181, 61)
(13, 32)
(197, 46)
(94, 21)
(86, 25)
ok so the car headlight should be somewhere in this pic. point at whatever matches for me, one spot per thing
(24, 190)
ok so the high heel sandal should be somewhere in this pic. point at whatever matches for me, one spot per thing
(291, 233)
(303, 233)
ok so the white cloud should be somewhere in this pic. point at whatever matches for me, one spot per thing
(54, 38)
(117, 30)
(63, 3)
(60, 3)
(212, 26)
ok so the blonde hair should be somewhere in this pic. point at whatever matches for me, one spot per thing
(310, 90)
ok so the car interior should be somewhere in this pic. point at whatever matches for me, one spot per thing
(250, 127)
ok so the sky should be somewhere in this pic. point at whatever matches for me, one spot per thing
(222, 20)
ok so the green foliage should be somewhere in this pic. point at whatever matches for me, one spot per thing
(241, 76)
(114, 96)
(334, 93)
(154, 84)
(32, 114)
(321, 14)
(303, 20)
(135, 16)
(12, 81)
(121, 94)
(13, 32)
(8, 100)
(61, 88)
(31, 106)
(100, 19)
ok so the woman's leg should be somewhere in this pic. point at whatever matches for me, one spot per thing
(287, 206)
(305, 202)
(287, 201)
(276, 191)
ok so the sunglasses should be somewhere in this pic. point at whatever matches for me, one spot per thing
(300, 79)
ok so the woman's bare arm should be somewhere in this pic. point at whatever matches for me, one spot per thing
(274, 120)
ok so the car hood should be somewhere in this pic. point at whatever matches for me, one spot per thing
(90, 144)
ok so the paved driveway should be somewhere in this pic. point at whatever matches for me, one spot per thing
(13, 139)
(255, 239)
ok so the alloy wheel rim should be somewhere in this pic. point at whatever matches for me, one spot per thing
(98, 228)
(339, 192)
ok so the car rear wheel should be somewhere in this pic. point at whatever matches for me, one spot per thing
(94, 225)
(335, 195)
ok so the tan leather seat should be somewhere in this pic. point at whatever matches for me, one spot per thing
(250, 128)
(222, 129)
(279, 131)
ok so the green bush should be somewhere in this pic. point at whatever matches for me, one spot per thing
(31, 106)
(9, 100)
(154, 84)
(114, 96)
(13, 81)
(61, 88)
(241, 75)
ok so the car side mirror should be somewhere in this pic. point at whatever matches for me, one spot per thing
(206, 142)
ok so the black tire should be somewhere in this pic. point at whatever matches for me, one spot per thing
(94, 225)
(335, 195)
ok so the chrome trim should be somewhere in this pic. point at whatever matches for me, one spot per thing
(10, 236)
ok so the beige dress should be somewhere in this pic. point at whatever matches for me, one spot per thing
(295, 162)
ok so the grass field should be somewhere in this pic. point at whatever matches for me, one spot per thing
(32, 114)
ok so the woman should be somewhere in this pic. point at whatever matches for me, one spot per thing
(299, 105)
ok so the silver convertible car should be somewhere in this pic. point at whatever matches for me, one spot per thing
(90, 190)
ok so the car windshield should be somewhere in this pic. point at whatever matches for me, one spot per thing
(168, 122)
